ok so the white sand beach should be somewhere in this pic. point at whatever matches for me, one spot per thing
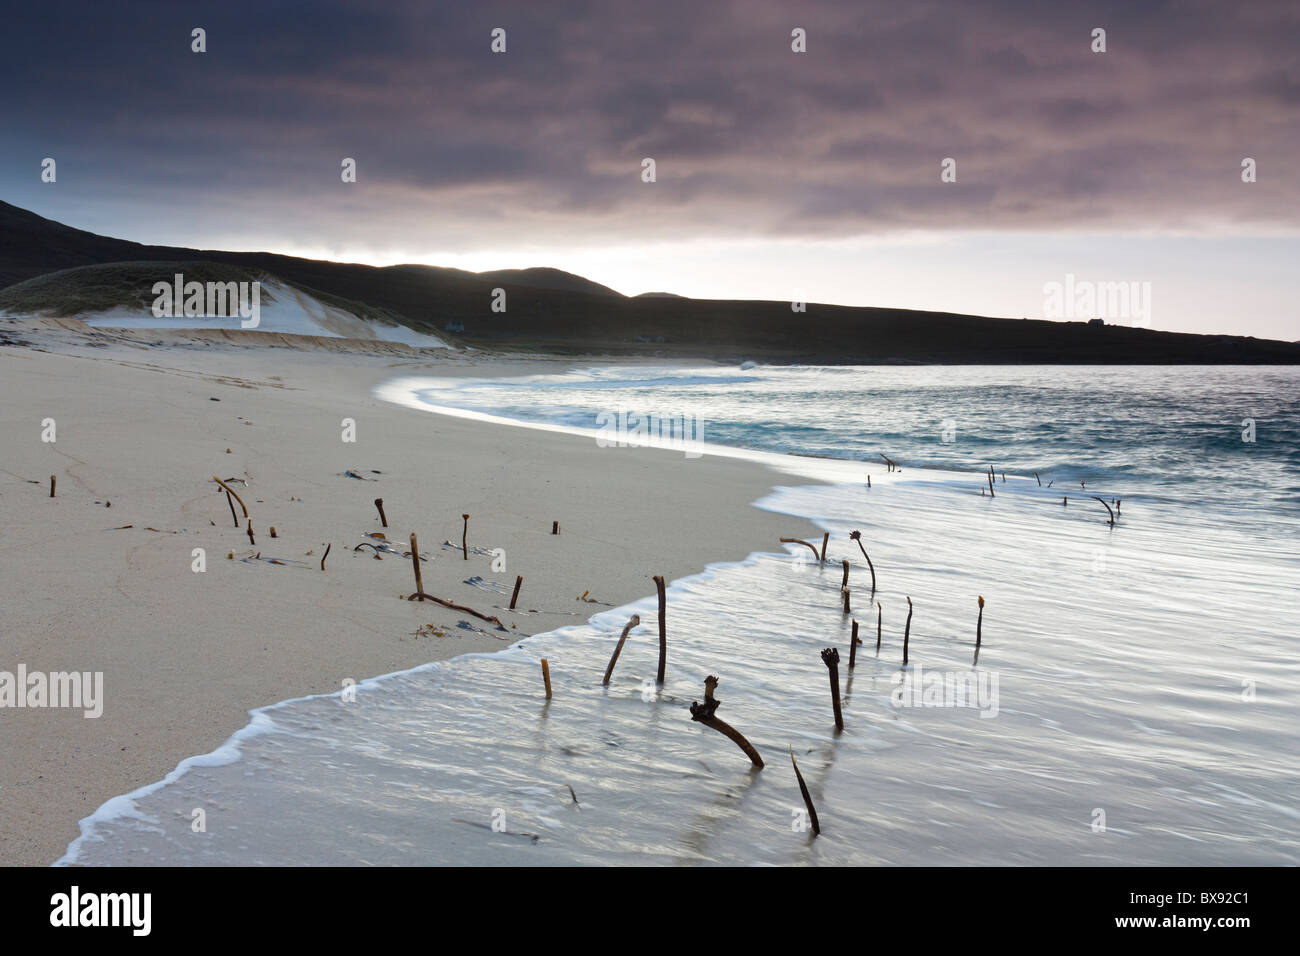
(100, 578)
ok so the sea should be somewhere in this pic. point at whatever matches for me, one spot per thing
(1131, 531)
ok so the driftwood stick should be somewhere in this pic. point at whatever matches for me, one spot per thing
(546, 676)
(232, 508)
(459, 607)
(415, 560)
(243, 507)
(632, 622)
(383, 519)
(464, 537)
(844, 593)
(1108, 511)
(704, 713)
(879, 613)
(857, 536)
(1037, 479)
(807, 797)
(907, 631)
(844, 582)
(52, 482)
(663, 626)
(325, 555)
(555, 527)
(853, 646)
(801, 541)
(514, 595)
(979, 628)
(825, 540)
(831, 658)
(990, 476)
(248, 525)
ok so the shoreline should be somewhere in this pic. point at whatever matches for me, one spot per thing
(185, 665)
(261, 718)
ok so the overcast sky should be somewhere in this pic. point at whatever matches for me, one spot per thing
(780, 175)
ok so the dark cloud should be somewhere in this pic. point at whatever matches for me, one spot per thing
(457, 145)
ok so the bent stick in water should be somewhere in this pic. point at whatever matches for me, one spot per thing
(1108, 511)
(704, 713)
(807, 797)
(907, 631)
(802, 542)
(857, 536)
(632, 622)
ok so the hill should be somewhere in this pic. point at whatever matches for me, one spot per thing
(551, 311)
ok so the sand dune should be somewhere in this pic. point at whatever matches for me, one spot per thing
(285, 310)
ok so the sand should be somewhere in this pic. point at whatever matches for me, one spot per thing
(186, 655)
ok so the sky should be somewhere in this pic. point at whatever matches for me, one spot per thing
(811, 176)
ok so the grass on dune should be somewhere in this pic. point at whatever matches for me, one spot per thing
(99, 288)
